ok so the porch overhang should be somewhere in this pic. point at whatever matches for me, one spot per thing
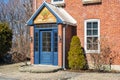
(61, 15)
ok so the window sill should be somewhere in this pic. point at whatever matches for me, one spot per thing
(93, 51)
(58, 4)
(91, 1)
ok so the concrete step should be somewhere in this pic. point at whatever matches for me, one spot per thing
(39, 68)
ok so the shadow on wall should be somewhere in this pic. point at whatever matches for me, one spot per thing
(70, 32)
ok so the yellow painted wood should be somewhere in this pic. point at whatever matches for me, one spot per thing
(45, 16)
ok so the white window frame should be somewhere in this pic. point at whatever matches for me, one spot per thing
(57, 2)
(85, 37)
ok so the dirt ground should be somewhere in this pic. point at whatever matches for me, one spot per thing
(11, 72)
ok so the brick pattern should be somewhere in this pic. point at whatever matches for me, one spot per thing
(60, 45)
(109, 14)
(32, 45)
(68, 36)
(69, 32)
(39, 2)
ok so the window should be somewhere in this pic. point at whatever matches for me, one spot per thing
(55, 41)
(92, 36)
(46, 41)
(58, 2)
(46, 26)
(36, 41)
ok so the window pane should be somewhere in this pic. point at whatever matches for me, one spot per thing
(92, 46)
(55, 49)
(36, 42)
(89, 40)
(55, 41)
(95, 40)
(48, 34)
(95, 46)
(89, 32)
(92, 43)
(46, 26)
(36, 49)
(46, 41)
(95, 24)
(89, 25)
(89, 47)
(95, 32)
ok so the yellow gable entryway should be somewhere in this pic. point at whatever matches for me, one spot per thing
(45, 16)
(49, 29)
(46, 38)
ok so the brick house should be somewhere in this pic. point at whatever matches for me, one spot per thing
(95, 22)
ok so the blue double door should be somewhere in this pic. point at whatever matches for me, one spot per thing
(48, 50)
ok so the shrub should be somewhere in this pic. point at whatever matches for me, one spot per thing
(5, 39)
(76, 56)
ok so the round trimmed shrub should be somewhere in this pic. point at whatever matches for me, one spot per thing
(76, 58)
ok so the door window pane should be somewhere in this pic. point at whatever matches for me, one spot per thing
(46, 26)
(55, 41)
(36, 41)
(46, 41)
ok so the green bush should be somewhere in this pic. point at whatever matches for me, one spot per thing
(5, 39)
(76, 56)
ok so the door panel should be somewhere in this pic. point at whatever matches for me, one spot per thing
(36, 48)
(46, 42)
(55, 50)
(48, 47)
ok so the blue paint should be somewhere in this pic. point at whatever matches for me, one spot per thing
(36, 53)
(36, 58)
(55, 58)
(43, 57)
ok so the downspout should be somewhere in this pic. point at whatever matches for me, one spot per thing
(64, 46)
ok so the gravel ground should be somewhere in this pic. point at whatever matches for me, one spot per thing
(97, 76)
(10, 72)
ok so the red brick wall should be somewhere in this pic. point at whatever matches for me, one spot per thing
(109, 14)
(70, 31)
(32, 45)
(60, 45)
(39, 2)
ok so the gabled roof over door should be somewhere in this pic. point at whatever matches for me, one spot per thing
(54, 15)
